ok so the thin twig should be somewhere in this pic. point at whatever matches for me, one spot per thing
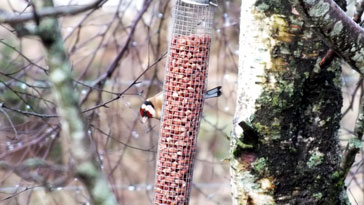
(24, 171)
(126, 89)
(23, 112)
(123, 143)
(9, 18)
(359, 9)
(10, 122)
(114, 64)
(104, 104)
(354, 145)
(22, 55)
(36, 141)
(350, 107)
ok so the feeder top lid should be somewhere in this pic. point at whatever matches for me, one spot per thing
(201, 2)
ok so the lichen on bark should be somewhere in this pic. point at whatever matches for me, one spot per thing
(296, 115)
(335, 28)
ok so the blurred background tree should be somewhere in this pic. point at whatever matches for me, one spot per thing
(117, 52)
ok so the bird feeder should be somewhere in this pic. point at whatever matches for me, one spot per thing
(183, 94)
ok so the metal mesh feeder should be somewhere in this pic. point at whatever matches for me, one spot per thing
(184, 87)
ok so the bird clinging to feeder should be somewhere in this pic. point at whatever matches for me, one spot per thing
(152, 107)
(183, 98)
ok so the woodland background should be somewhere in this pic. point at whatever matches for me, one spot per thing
(126, 147)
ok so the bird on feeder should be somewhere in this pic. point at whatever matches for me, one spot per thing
(152, 107)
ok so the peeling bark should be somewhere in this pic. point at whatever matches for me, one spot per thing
(285, 147)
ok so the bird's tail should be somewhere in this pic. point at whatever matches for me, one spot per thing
(213, 93)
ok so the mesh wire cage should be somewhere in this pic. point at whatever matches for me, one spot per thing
(184, 87)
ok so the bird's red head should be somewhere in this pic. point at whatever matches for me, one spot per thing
(147, 111)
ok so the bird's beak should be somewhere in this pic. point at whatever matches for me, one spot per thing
(144, 119)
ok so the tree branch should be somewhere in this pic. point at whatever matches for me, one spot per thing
(353, 96)
(336, 29)
(24, 171)
(343, 35)
(114, 64)
(359, 9)
(27, 113)
(330, 55)
(103, 104)
(354, 145)
(10, 18)
(74, 126)
(23, 56)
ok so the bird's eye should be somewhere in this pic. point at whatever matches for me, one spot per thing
(142, 112)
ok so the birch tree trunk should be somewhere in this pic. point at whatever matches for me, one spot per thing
(284, 145)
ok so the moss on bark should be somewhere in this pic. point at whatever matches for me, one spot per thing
(297, 115)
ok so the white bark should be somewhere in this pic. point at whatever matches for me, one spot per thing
(254, 58)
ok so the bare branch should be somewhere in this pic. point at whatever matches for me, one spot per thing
(328, 58)
(343, 35)
(336, 29)
(114, 64)
(125, 144)
(23, 112)
(74, 127)
(9, 18)
(330, 55)
(10, 122)
(354, 145)
(22, 55)
(103, 104)
(350, 107)
(359, 11)
(45, 134)
(24, 171)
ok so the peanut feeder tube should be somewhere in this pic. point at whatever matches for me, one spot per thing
(184, 86)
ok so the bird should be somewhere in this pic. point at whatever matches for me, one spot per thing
(152, 107)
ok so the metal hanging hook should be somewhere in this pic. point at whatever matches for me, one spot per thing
(213, 3)
(201, 2)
